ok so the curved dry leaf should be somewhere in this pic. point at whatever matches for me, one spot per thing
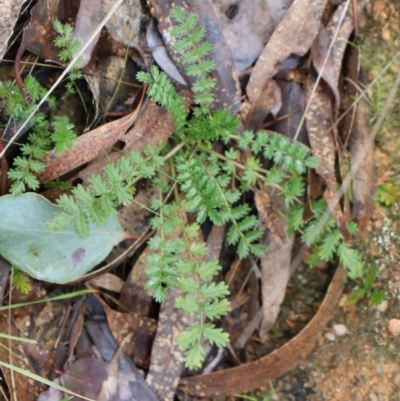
(252, 376)
(319, 120)
(275, 263)
(324, 62)
(86, 148)
(88, 18)
(125, 24)
(247, 25)
(345, 30)
(166, 357)
(356, 131)
(142, 329)
(294, 34)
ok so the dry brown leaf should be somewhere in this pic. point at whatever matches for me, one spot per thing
(77, 325)
(275, 263)
(252, 376)
(124, 382)
(345, 30)
(324, 62)
(319, 120)
(293, 106)
(86, 148)
(356, 131)
(294, 34)
(43, 14)
(247, 25)
(141, 328)
(269, 101)
(167, 358)
(268, 214)
(107, 281)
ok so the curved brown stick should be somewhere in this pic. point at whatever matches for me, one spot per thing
(252, 376)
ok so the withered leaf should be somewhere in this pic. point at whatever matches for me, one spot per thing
(294, 34)
(86, 148)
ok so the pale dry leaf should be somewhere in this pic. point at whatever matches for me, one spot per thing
(319, 120)
(275, 263)
(88, 18)
(294, 35)
(247, 25)
(125, 24)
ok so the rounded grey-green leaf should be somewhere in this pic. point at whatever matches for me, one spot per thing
(54, 256)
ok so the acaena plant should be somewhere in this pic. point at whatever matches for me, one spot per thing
(209, 186)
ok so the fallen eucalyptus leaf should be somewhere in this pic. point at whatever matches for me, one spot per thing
(55, 256)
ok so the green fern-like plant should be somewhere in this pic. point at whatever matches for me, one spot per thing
(57, 133)
(68, 47)
(366, 290)
(207, 184)
(204, 179)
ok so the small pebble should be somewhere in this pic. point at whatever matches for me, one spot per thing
(379, 370)
(330, 336)
(397, 379)
(372, 397)
(382, 306)
(394, 326)
(340, 329)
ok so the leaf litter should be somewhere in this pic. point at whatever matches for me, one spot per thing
(302, 22)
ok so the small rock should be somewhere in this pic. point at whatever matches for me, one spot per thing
(372, 397)
(330, 336)
(382, 306)
(379, 370)
(394, 326)
(397, 379)
(340, 329)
